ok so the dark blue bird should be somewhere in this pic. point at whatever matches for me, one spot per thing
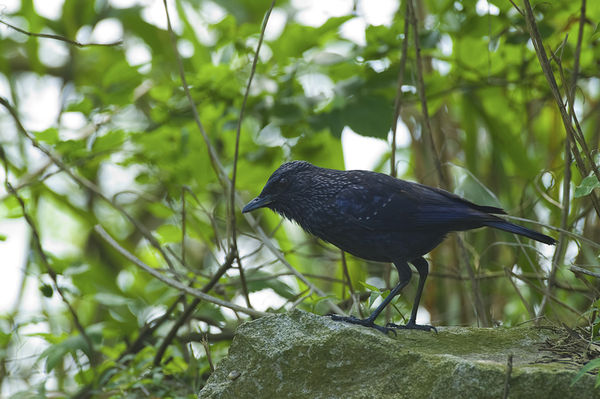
(377, 217)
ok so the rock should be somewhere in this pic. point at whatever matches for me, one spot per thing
(302, 355)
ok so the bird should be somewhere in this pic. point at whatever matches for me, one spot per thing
(379, 218)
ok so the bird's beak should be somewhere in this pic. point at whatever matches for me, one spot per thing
(258, 202)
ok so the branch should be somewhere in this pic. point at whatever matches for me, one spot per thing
(84, 182)
(241, 118)
(542, 291)
(216, 164)
(526, 303)
(51, 272)
(576, 269)
(188, 311)
(560, 230)
(398, 99)
(574, 136)
(171, 282)
(562, 242)
(421, 90)
(279, 255)
(517, 7)
(232, 218)
(443, 180)
(149, 329)
(222, 176)
(480, 308)
(60, 38)
(582, 18)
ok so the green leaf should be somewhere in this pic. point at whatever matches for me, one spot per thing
(47, 290)
(429, 39)
(5, 338)
(162, 92)
(297, 38)
(160, 210)
(110, 141)
(258, 280)
(10, 208)
(545, 29)
(55, 353)
(517, 37)
(49, 136)
(370, 287)
(592, 364)
(369, 116)
(586, 187)
(111, 300)
(84, 106)
(169, 233)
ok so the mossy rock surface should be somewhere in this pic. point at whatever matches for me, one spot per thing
(302, 355)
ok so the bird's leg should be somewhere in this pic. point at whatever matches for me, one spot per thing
(404, 275)
(423, 269)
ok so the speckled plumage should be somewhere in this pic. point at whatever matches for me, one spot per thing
(376, 217)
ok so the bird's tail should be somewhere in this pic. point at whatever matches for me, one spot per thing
(520, 230)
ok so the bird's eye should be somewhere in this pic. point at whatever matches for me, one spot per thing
(279, 184)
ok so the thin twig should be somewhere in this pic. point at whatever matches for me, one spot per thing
(232, 208)
(183, 225)
(560, 230)
(575, 135)
(148, 330)
(398, 99)
(482, 312)
(171, 282)
(243, 283)
(592, 288)
(222, 176)
(348, 280)
(60, 38)
(443, 180)
(85, 182)
(526, 303)
(226, 335)
(577, 57)
(517, 7)
(576, 269)
(262, 236)
(206, 346)
(428, 132)
(212, 154)
(42, 254)
(278, 275)
(301, 297)
(542, 291)
(239, 124)
(184, 317)
(562, 241)
(346, 274)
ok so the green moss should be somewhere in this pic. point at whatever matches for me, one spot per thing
(301, 355)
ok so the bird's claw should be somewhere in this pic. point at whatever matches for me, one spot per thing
(361, 322)
(412, 326)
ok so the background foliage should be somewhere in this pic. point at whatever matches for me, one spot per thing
(124, 150)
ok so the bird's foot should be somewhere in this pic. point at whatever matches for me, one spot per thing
(361, 322)
(411, 325)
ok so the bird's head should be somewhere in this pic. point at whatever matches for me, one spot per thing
(281, 185)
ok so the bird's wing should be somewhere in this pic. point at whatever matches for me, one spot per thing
(383, 203)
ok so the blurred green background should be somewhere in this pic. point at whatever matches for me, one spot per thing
(80, 318)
